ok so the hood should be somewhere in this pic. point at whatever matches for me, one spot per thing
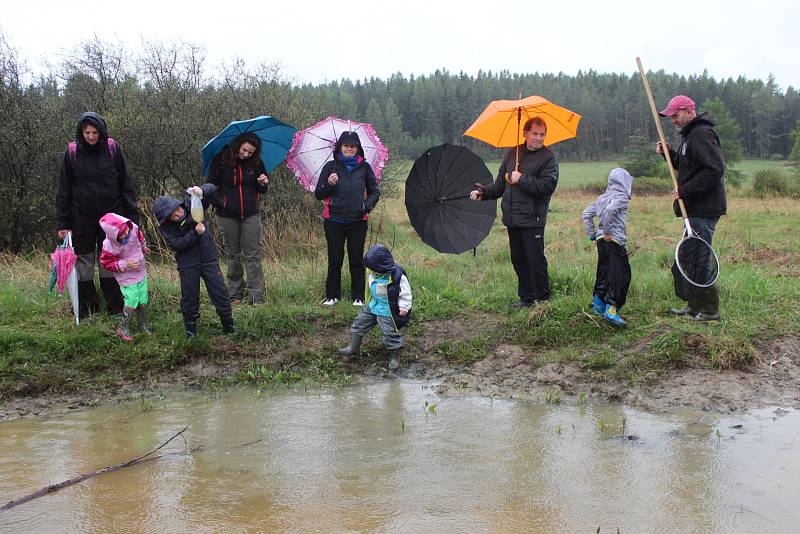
(112, 224)
(378, 259)
(163, 207)
(619, 183)
(348, 138)
(702, 118)
(95, 120)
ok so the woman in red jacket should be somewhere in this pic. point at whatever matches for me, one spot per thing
(239, 175)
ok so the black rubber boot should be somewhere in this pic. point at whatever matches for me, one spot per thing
(112, 294)
(352, 350)
(691, 308)
(141, 314)
(227, 325)
(394, 359)
(191, 329)
(87, 299)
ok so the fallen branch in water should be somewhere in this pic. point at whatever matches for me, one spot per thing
(55, 487)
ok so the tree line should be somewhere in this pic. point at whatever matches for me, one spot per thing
(163, 101)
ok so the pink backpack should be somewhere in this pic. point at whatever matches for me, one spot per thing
(112, 149)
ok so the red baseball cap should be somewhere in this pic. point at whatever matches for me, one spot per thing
(676, 104)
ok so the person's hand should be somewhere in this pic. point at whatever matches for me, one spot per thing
(515, 177)
(675, 194)
(196, 191)
(63, 233)
(333, 179)
(403, 312)
(606, 237)
(592, 237)
(477, 194)
(145, 250)
(134, 264)
(659, 149)
(263, 179)
(200, 228)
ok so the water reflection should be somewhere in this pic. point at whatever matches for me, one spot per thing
(374, 459)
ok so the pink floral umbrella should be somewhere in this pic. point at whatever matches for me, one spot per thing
(62, 261)
(313, 147)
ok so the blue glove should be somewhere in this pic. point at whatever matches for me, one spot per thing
(592, 237)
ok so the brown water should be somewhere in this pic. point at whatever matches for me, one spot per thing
(373, 459)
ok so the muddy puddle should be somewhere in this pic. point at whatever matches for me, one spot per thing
(396, 457)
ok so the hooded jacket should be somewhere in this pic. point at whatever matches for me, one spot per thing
(611, 208)
(379, 260)
(525, 204)
(701, 169)
(116, 256)
(356, 192)
(95, 181)
(191, 249)
(238, 188)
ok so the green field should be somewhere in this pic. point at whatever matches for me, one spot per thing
(42, 350)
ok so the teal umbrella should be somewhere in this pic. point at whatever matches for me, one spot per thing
(276, 138)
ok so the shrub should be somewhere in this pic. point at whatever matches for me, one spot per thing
(771, 182)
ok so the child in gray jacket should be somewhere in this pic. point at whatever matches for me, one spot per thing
(613, 269)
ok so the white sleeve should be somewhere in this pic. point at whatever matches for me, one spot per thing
(404, 299)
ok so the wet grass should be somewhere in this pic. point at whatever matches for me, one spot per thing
(41, 349)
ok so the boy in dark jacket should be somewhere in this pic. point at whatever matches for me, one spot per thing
(389, 305)
(197, 257)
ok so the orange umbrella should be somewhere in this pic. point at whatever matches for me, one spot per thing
(501, 122)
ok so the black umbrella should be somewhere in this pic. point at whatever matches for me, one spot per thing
(438, 203)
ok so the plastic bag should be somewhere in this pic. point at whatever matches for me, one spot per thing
(196, 207)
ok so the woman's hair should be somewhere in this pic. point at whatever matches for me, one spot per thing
(231, 155)
(538, 121)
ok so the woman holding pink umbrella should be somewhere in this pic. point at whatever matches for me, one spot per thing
(349, 191)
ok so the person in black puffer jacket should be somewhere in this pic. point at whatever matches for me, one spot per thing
(526, 199)
(239, 175)
(197, 257)
(349, 190)
(93, 181)
(701, 185)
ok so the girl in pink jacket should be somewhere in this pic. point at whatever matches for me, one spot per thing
(123, 254)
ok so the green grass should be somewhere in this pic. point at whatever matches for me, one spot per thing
(42, 350)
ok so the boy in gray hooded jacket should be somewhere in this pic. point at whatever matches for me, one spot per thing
(613, 269)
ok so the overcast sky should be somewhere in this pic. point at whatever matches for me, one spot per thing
(316, 41)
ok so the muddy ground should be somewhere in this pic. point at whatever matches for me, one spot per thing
(508, 371)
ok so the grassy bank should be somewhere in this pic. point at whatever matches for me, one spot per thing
(41, 350)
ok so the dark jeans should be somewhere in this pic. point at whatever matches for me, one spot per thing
(355, 234)
(613, 273)
(699, 298)
(530, 264)
(215, 285)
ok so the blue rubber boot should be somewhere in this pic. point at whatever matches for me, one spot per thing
(598, 306)
(612, 317)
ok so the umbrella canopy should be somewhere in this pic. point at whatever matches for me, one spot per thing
(437, 199)
(313, 147)
(276, 138)
(63, 261)
(502, 121)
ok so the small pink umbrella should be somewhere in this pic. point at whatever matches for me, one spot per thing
(63, 263)
(313, 147)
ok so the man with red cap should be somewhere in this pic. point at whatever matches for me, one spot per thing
(701, 185)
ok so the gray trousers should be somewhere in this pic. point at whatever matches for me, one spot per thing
(242, 241)
(84, 266)
(366, 321)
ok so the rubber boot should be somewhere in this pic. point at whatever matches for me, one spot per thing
(123, 330)
(141, 314)
(191, 329)
(394, 359)
(352, 350)
(709, 306)
(87, 299)
(227, 325)
(611, 316)
(112, 294)
(691, 308)
(598, 305)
